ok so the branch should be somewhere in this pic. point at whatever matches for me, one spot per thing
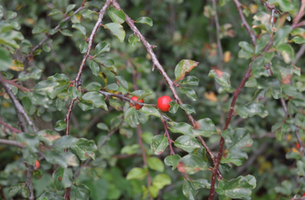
(12, 143)
(172, 152)
(244, 22)
(90, 42)
(47, 36)
(23, 89)
(29, 183)
(299, 54)
(157, 64)
(21, 112)
(14, 130)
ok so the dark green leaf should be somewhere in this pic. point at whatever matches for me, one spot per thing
(96, 98)
(117, 16)
(206, 128)
(133, 39)
(172, 160)
(281, 35)
(80, 192)
(161, 180)
(247, 50)
(30, 140)
(190, 80)
(189, 92)
(187, 108)
(193, 164)
(5, 60)
(287, 52)
(62, 178)
(66, 32)
(101, 48)
(60, 125)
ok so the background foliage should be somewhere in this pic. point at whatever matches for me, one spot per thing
(67, 105)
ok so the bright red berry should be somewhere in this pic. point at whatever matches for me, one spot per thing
(135, 98)
(163, 103)
(37, 164)
(297, 146)
(303, 195)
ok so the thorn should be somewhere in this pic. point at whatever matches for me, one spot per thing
(153, 46)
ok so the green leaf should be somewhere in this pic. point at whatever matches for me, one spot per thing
(240, 187)
(64, 159)
(70, 7)
(148, 110)
(50, 196)
(64, 142)
(101, 48)
(184, 67)
(281, 35)
(247, 50)
(261, 43)
(159, 143)
(122, 82)
(172, 160)
(188, 191)
(66, 32)
(181, 127)
(155, 164)
(14, 189)
(287, 5)
(298, 40)
(190, 80)
(95, 68)
(287, 52)
(48, 136)
(116, 103)
(286, 188)
(136, 173)
(133, 39)
(80, 27)
(5, 60)
(147, 137)
(117, 30)
(62, 178)
(270, 84)
(80, 191)
(30, 140)
(54, 12)
(74, 92)
(161, 180)
(173, 107)
(187, 108)
(102, 126)
(187, 143)
(38, 29)
(193, 164)
(84, 149)
(256, 109)
(117, 16)
(223, 78)
(201, 183)
(130, 149)
(189, 92)
(30, 73)
(206, 128)
(93, 86)
(60, 125)
(83, 47)
(145, 20)
(96, 98)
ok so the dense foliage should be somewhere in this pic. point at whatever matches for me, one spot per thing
(70, 130)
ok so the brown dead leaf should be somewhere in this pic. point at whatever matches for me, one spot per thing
(227, 56)
(286, 80)
(181, 167)
(217, 71)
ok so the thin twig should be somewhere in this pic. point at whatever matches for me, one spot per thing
(244, 21)
(12, 143)
(21, 112)
(29, 183)
(47, 36)
(172, 152)
(220, 51)
(14, 130)
(285, 108)
(297, 134)
(23, 89)
(299, 54)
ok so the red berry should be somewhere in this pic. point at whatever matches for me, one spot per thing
(297, 145)
(303, 195)
(163, 103)
(37, 164)
(135, 98)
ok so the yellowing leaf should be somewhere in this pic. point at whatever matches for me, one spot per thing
(253, 8)
(227, 56)
(210, 96)
(30, 21)
(17, 66)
